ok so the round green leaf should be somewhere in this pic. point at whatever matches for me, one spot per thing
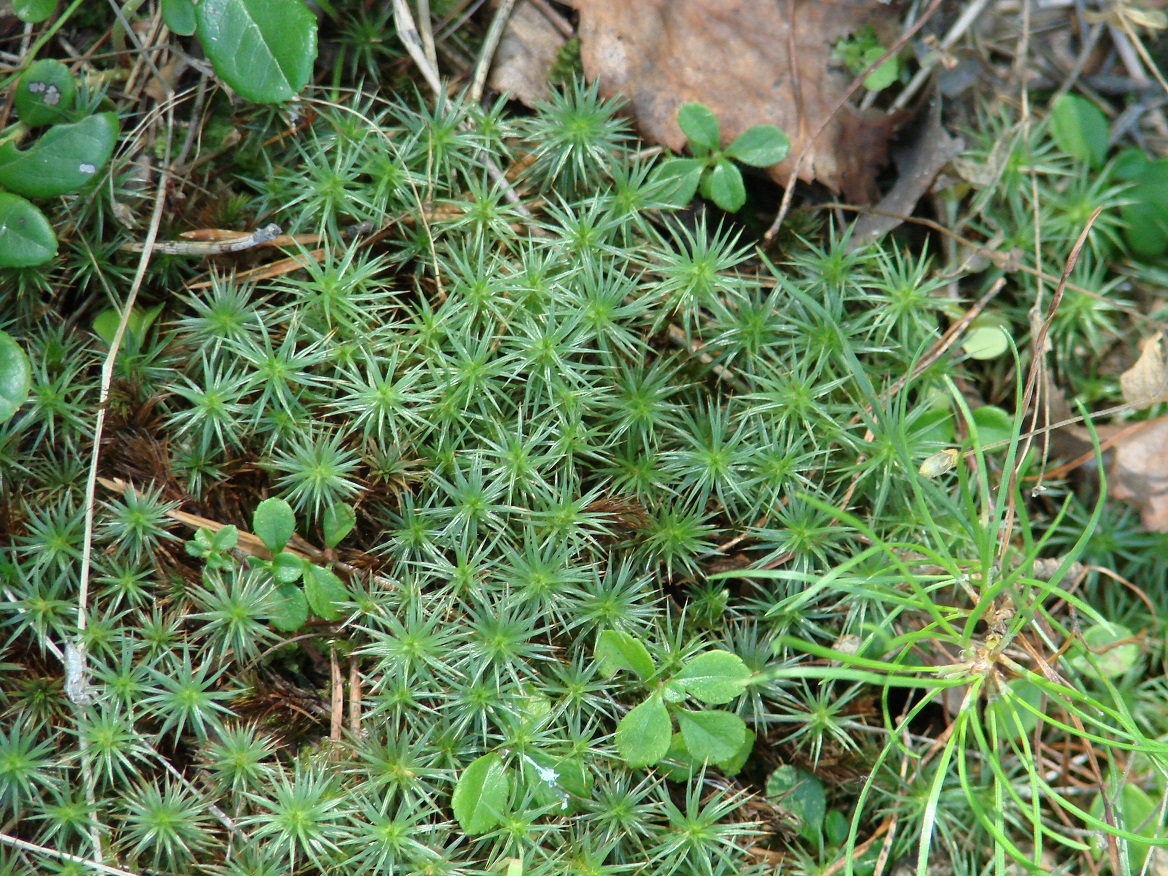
(700, 127)
(642, 736)
(263, 49)
(481, 797)
(714, 735)
(179, 16)
(1080, 129)
(15, 377)
(723, 185)
(616, 650)
(715, 677)
(885, 74)
(287, 567)
(33, 11)
(987, 337)
(26, 237)
(802, 794)
(1112, 660)
(760, 146)
(678, 178)
(337, 522)
(289, 610)
(64, 159)
(45, 93)
(274, 523)
(325, 591)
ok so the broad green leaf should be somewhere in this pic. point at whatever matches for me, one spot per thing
(642, 736)
(225, 538)
(15, 377)
(801, 793)
(733, 765)
(714, 677)
(700, 127)
(987, 337)
(1145, 215)
(1080, 129)
(26, 237)
(1105, 658)
(678, 764)
(274, 523)
(33, 11)
(678, 178)
(760, 146)
(482, 796)
(179, 16)
(287, 567)
(885, 74)
(289, 610)
(555, 781)
(715, 735)
(338, 521)
(616, 650)
(723, 185)
(325, 591)
(63, 160)
(45, 93)
(263, 49)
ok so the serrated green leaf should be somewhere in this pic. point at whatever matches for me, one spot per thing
(337, 522)
(15, 376)
(325, 592)
(33, 11)
(179, 16)
(45, 93)
(616, 650)
(26, 237)
(289, 610)
(263, 49)
(274, 523)
(64, 159)
(642, 736)
(678, 178)
(714, 735)
(699, 125)
(725, 187)
(760, 146)
(1080, 129)
(714, 677)
(482, 796)
(287, 567)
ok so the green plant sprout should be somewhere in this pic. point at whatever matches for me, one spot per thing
(856, 51)
(712, 169)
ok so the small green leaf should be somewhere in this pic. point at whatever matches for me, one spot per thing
(885, 74)
(226, 538)
(732, 766)
(33, 11)
(678, 764)
(987, 337)
(274, 523)
(325, 591)
(45, 93)
(802, 794)
(26, 237)
(714, 677)
(760, 146)
(482, 796)
(105, 324)
(642, 736)
(263, 49)
(289, 610)
(1080, 129)
(554, 781)
(337, 522)
(723, 185)
(616, 650)
(835, 828)
(287, 568)
(1106, 658)
(179, 16)
(714, 735)
(63, 160)
(700, 127)
(678, 178)
(15, 377)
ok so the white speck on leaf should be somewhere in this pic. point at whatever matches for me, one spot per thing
(85, 167)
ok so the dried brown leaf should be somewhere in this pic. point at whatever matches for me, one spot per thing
(526, 53)
(1146, 383)
(751, 62)
(1139, 472)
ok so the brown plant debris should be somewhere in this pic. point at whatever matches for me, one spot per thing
(751, 62)
(1139, 472)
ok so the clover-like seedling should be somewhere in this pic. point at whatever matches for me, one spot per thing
(712, 169)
